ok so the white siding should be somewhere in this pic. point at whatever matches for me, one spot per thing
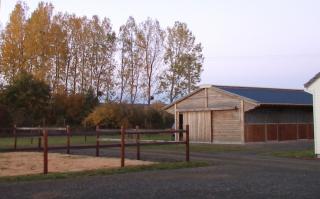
(315, 90)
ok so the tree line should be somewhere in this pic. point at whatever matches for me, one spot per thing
(75, 54)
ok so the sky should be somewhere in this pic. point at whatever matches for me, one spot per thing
(264, 43)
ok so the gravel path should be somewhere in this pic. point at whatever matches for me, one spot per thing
(244, 174)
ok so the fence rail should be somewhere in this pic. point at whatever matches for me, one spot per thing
(43, 134)
(278, 132)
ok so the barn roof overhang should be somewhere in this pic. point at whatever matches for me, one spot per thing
(312, 80)
(206, 86)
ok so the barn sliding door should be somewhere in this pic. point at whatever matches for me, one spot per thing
(226, 126)
(200, 125)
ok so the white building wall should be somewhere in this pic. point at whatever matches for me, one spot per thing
(314, 89)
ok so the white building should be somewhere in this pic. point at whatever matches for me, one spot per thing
(313, 87)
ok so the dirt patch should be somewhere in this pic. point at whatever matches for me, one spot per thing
(25, 163)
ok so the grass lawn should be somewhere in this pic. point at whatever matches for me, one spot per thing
(295, 154)
(7, 143)
(53, 176)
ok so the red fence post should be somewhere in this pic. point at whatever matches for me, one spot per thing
(297, 128)
(68, 139)
(277, 132)
(138, 143)
(39, 139)
(15, 137)
(265, 132)
(122, 145)
(97, 141)
(187, 144)
(45, 152)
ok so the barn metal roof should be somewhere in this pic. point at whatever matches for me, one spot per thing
(274, 96)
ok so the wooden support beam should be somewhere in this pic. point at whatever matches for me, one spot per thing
(45, 151)
(122, 145)
(68, 138)
(15, 137)
(187, 144)
(138, 143)
(97, 141)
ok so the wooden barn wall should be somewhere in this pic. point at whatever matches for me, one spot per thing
(227, 126)
(200, 125)
(218, 126)
(198, 100)
(279, 115)
(278, 132)
(218, 99)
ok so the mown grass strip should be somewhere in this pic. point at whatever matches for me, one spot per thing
(295, 154)
(102, 172)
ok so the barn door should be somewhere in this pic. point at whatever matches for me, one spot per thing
(199, 125)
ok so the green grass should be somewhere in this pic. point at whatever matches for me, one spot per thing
(7, 143)
(295, 154)
(101, 172)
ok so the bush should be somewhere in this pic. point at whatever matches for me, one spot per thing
(26, 99)
(72, 109)
(113, 115)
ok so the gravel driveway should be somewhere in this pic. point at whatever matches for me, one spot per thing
(245, 174)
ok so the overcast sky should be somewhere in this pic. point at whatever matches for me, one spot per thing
(268, 43)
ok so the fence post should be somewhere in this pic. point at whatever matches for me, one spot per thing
(45, 151)
(122, 145)
(97, 141)
(39, 139)
(15, 136)
(187, 144)
(297, 127)
(68, 139)
(278, 132)
(138, 143)
(265, 133)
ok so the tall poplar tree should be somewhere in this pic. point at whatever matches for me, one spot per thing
(183, 57)
(150, 41)
(12, 45)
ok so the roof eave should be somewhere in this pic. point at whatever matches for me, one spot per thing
(312, 80)
(283, 104)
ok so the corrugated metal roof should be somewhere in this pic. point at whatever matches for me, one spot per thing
(271, 95)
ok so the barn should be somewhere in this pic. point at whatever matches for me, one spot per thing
(230, 114)
(313, 86)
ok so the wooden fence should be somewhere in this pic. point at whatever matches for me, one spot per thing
(277, 132)
(43, 134)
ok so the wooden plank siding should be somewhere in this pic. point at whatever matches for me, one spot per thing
(218, 116)
(227, 126)
(219, 119)
(277, 132)
(199, 125)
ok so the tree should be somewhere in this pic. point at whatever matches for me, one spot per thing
(12, 45)
(59, 53)
(38, 42)
(130, 67)
(26, 99)
(150, 41)
(103, 52)
(184, 59)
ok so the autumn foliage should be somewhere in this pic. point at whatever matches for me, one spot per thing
(114, 115)
(55, 68)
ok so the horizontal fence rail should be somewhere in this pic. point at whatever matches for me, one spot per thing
(128, 138)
